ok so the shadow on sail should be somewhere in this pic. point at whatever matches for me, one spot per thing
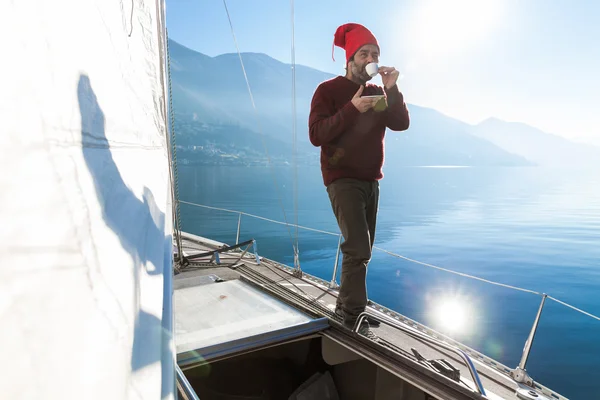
(139, 224)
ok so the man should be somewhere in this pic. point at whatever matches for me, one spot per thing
(350, 129)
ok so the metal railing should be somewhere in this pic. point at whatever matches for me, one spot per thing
(183, 385)
(419, 335)
(518, 373)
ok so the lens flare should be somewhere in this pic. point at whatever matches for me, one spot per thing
(452, 313)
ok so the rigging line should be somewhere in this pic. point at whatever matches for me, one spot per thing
(131, 20)
(310, 298)
(258, 217)
(262, 136)
(172, 154)
(374, 247)
(294, 131)
(458, 273)
(574, 308)
(398, 256)
(266, 263)
(289, 280)
(315, 285)
(382, 250)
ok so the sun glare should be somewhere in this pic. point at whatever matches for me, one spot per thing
(440, 26)
(452, 313)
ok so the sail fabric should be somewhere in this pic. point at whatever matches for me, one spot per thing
(85, 203)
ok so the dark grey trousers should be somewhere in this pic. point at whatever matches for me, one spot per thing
(355, 204)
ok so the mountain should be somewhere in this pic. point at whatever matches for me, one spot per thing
(214, 90)
(436, 139)
(535, 145)
(214, 113)
(201, 143)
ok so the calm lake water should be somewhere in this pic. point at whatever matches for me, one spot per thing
(534, 228)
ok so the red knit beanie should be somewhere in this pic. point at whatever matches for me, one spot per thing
(352, 37)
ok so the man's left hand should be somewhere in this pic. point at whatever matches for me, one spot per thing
(389, 76)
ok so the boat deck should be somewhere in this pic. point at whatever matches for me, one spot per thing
(316, 296)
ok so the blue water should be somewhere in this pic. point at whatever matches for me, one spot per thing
(535, 228)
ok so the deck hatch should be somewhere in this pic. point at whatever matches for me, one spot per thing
(220, 318)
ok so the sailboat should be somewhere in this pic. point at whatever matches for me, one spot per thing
(103, 296)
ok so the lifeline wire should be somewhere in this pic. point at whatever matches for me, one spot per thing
(404, 258)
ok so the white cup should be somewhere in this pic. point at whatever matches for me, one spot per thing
(372, 69)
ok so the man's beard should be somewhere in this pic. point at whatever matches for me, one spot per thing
(360, 72)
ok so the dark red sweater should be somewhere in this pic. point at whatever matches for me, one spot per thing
(352, 143)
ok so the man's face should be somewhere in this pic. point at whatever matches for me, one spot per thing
(365, 55)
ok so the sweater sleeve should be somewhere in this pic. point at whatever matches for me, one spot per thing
(324, 123)
(397, 118)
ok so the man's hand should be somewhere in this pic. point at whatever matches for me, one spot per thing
(361, 103)
(389, 76)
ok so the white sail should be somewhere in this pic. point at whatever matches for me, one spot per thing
(85, 210)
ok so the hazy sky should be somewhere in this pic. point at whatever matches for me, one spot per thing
(532, 61)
